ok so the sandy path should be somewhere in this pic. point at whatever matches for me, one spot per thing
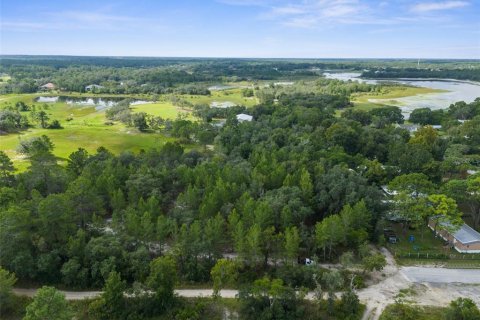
(429, 286)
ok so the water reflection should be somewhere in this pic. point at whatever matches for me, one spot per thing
(456, 91)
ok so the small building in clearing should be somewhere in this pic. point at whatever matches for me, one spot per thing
(242, 117)
(464, 240)
(93, 87)
(47, 86)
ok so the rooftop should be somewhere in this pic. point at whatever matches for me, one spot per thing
(467, 235)
(244, 117)
(48, 86)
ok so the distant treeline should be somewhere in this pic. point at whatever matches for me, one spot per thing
(459, 74)
(134, 75)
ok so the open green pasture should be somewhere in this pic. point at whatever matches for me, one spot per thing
(230, 95)
(115, 138)
(86, 129)
(164, 109)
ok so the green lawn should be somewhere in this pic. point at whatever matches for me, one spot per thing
(86, 129)
(116, 138)
(231, 95)
(423, 244)
(162, 109)
(428, 250)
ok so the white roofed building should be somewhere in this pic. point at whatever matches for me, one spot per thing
(242, 117)
(93, 87)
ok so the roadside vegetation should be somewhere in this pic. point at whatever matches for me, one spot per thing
(459, 309)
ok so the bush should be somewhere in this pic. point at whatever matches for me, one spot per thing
(270, 299)
(400, 311)
(48, 303)
(7, 281)
(349, 305)
(463, 309)
(55, 124)
(297, 276)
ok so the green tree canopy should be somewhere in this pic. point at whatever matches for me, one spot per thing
(48, 303)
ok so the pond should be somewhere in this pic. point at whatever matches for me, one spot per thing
(99, 103)
(466, 91)
(220, 87)
(222, 104)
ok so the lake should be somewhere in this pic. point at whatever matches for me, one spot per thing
(456, 91)
(99, 103)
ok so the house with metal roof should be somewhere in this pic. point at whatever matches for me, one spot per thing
(244, 117)
(93, 87)
(47, 86)
(464, 240)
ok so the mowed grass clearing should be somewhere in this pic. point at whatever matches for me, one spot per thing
(164, 109)
(229, 95)
(116, 138)
(87, 130)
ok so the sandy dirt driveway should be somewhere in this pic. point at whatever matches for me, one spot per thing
(427, 286)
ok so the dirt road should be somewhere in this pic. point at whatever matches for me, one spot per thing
(427, 286)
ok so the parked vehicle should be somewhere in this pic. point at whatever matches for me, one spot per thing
(390, 236)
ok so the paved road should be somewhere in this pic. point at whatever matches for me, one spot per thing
(441, 275)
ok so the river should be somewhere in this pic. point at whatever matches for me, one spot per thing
(455, 91)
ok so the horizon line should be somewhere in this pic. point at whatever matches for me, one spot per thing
(234, 57)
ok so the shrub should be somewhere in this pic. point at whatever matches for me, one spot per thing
(55, 124)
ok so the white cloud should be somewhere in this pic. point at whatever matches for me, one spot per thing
(287, 10)
(340, 10)
(316, 13)
(260, 3)
(436, 6)
(92, 17)
(79, 20)
(329, 13)
(22, 25)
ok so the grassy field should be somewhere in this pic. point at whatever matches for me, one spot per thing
(4, 78)
(231, 95)
(87, 129)
(427, 243)
(361, 100)
(162, 109)
(115, 138)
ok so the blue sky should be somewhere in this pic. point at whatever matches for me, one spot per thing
(243, 28)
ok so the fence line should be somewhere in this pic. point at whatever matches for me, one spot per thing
(437, 256)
